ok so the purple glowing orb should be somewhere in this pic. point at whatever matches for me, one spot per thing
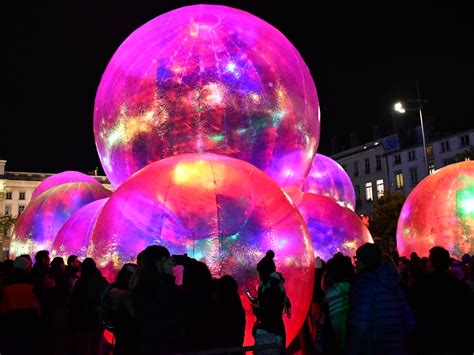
(41, 220)
(75, 234)
(439, 212)
(332, 228)
(62, 178)
(207, 78)
(329, 179)
(220, 210)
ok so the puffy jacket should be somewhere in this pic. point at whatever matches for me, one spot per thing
(380, 319)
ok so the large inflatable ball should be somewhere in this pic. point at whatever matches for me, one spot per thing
(74, 236)
(332, 228)
(41, 220)
(219, 210)
(207, 78)
(329, 179)
(439, 212)
(62, 178)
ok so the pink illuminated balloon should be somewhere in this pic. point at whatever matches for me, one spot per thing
(329, 179)
(62, 178)
(74, 236)
(439, 212)
(207, 78)
(41, 220)
(332, 228)
(220, 210)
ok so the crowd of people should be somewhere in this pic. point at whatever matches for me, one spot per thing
(373, 303)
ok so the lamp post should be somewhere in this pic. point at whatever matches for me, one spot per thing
(401, 109)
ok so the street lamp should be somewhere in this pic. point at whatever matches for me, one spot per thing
(401, 109)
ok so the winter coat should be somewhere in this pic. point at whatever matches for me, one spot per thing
(337, 297)
(380, 319)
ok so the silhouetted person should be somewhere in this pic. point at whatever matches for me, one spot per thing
(73, 268)
(158, 304)
(339, 275)
(444, 309)
(19, 309)
(118, 306)
(380, 320)
(230, 314)
(84, 309)
(270, 305)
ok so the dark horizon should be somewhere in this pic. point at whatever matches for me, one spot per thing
(362, 59)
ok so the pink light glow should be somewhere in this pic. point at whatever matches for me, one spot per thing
(329, 179)
(207, 78)
(439, 212)
(41, 220)
(74, 236)
(62, 178)
(332, 228)
(220, 210)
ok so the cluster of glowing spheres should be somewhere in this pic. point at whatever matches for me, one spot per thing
(332, 228)
(219, 210)
(62, 178)
(439, 212)
(329, 179)
(74, 236)
(41, 220)
(207, 78)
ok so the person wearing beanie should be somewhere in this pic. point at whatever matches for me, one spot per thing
(270, 305)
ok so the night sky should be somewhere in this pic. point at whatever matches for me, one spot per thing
(362, 58)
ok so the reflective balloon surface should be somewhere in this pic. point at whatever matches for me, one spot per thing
(332, 228)
(220, 210)
(41, 220)
(439, 212)
(329, 179)
(207, 78)
(74, 236)
(62, 178)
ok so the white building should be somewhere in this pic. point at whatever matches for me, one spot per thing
(406, 167)
(16, 189)
(366, 165)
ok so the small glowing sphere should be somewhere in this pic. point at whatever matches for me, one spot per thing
(207, 78)
(74, 236)
(329, 179)
(439, 212)
(219, 210)
(332, 228)
(41, 220)
(62, 178)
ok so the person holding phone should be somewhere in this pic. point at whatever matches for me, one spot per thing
(270, 305)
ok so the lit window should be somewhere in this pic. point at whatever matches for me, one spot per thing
(20, 209)
(399, 180)
(397, 159)
(8, 195)
(356, 168)
(367, 166)
(368, 192)
(431, 169)
(8, 210)
(414, 176)
(378, 163)
(380, 188)
(22, 195)
(429, 150)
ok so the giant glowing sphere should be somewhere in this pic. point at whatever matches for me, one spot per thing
(62, 178)
(332, 228)
(74, 236)
(439, 212)
(220, 210)
(329, 179)
(41, 220)
(207, 78)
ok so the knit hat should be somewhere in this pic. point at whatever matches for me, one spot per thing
(266, 265)
(21, 263)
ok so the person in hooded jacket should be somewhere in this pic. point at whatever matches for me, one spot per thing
(380, 320)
